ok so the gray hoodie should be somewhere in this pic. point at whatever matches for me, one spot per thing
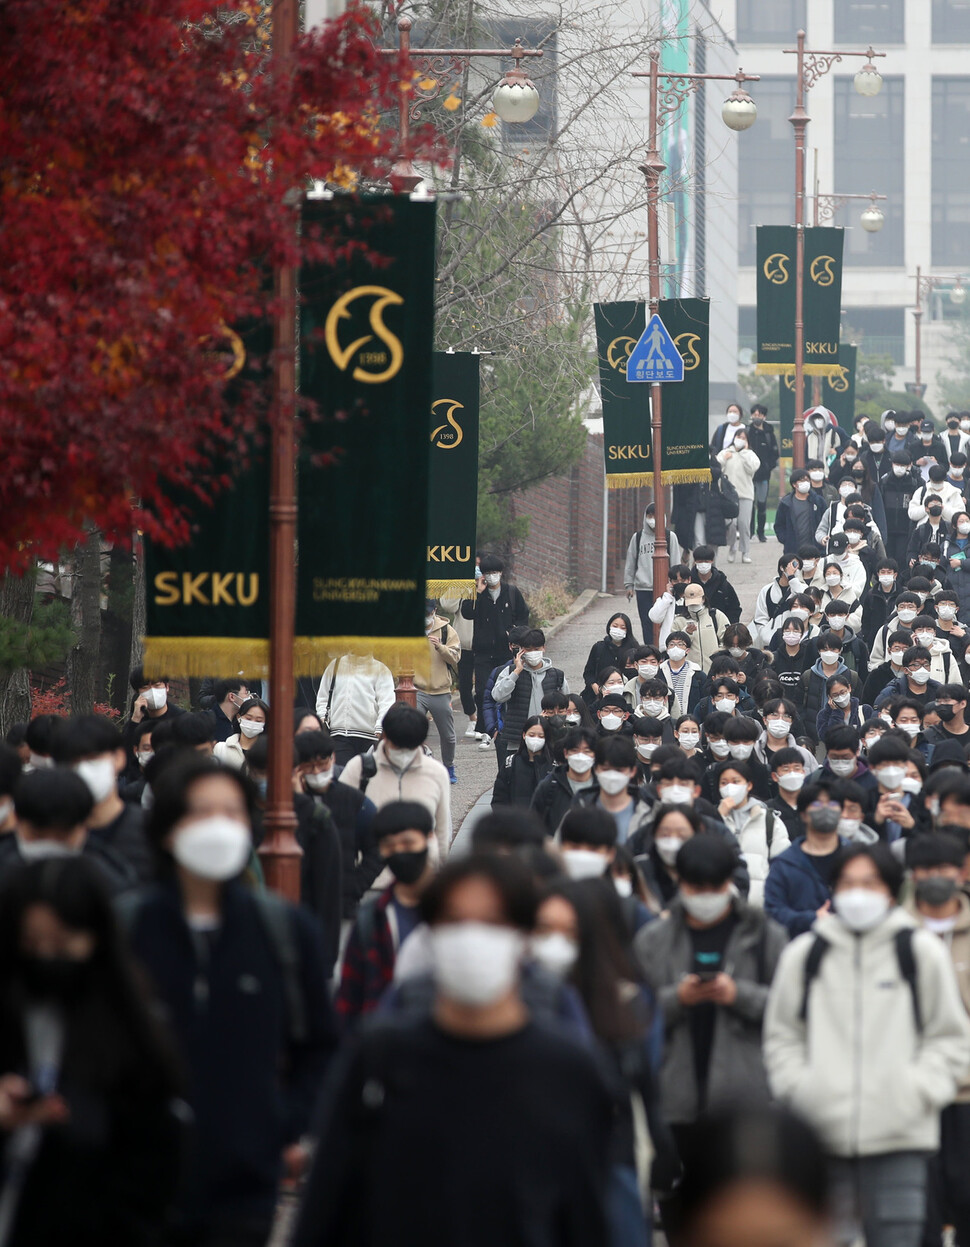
(638, 572)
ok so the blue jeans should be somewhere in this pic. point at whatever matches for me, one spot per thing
(629, 1225)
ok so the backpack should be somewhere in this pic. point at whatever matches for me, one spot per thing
(368, 769)
(277, 921)
(904, 956)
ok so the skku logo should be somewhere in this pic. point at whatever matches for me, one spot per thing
(389, 361)
(822, 270)
(686, 343)
(775, 268)
(618, 352)
(449, 554)
(448, 435)
(186, 589)
(838, 379)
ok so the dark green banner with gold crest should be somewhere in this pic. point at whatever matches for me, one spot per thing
(453, 485)
(627, 436)
(207, 602)
(366, 337)
(838, 395)
(821, 301)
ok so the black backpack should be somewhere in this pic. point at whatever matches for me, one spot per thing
(904, 956)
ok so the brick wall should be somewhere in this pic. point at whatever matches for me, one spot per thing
(566, 526)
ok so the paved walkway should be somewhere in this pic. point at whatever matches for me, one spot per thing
(569, 648)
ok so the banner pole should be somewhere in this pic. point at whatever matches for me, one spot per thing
(279, 853)
(799, 120)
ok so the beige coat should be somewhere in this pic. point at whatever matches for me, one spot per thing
(425, 781)
(444, 659)
(957, 943)
(705, 640)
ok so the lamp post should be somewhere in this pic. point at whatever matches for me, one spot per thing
(279, 853)
(811, 66)
(515, 99)
(924, 285)
(738, 113)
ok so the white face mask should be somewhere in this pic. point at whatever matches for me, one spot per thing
(145, 757)
(846, 489)
(651, 522)
(965, 426)
(647, 670)
(611, 721)
(898, 470)
(849, 827)
(555, 952)
(676, 653)
(778, 728)
(677, 794)
(612, 782)
(400, 758)
(891, 777)
(646, 751)
(614, 687)
(581, 763)
(155, 698)
(889, 426)
(843, 767)
(808, 568)
(896, 657)
(689, 740)
(535, 743)
(475, 963)
(829, 656)
(667, 848)
(319, 782)
(734, 792)
(41, 850)
(877, 447)
(618, 634)
(925, 639)
(861, 909)
(741, 752)
(583, 863)
(703, 568)
(833, 579)
(492, 578)
(799, 612)
(842, 700)
(719, 748)
(532, 657)
(653, 707)
(623, 885)
(792, 638)
(250, 728)
(100, 777)
(734, 417)
(736, 651)
(912, 786)
(837, 622)
(919, 676)
(695, 608)
(872, 739)
(725, 705)
(887, 582)
(574, 718)
(906, 614)
(215, 848)
(816, 477)
(946, 612)
(706, 907)
(792, 782)
(802, 487)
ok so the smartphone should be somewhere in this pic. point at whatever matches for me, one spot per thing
(707, 976)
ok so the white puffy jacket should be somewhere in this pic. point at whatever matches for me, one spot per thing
(749, 826)
(363, 692)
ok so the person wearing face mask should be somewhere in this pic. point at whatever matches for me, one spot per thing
(741, 736)
(879, 600)
(798, 887)
(899, 812)
(937, 486)
(791, 657)
(760, 835)
(824, 439)
(228, 696)
(704, 625)
(813, 691)
(956, 557)
(616, 649)
(616, 774)
(131, 790)
(495, 610)
(531, 1144)
(739, 463)
(684, 678)
(908, 606)
(728, 430)
(646, 661)
(520, 688)
(944, 668)
(799, 512)
(315, 776)
(402, 832)
(837, 620)
(875, 454)
(687, 733)
(250, 722)
(658, 702)
(956, 441)
(719, 593)
(665, 608)
(88, 1079)
(434, 689)
(897, 486)
(835, 1065)
(845, 579)
(354, 694)
(93, 746)
(928, 449)
(709, 961)
(951, 710)
(915, 683)
(841, 708)
(932, 530)
(150, 701)
(256, 1050)
(775, 597)
(843, 761)
(764, 443)
(789, 774)
(936, 865)
(530, 763)
(555, 792)
(779, 716)
(638, 569)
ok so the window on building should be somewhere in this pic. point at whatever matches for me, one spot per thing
(535, 32)
(869, 21)
(951, 171)
(770, 21)
(766, 166)
(951, 21)
(876, 330)
(869, 157)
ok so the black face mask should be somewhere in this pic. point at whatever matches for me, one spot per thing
(935, 511)
(825, 820)
(407, 867)
(935, 891)
(944, 713)
(555, 726)
(61, 979)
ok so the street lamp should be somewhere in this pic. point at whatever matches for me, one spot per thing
(871, 219)
(811, 66)
(738, 113)
(924, 285)
(515, 99)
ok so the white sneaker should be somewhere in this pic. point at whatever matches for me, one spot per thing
(731, 556)
(745, 558)
(485, 741)
(470, 733)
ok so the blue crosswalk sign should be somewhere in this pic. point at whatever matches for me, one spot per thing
(655, 357)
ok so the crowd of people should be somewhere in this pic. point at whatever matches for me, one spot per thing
(705, 963)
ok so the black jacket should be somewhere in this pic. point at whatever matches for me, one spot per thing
(553, 797)
(721, 594)
(877, 606)
(360, 862)
(785, 529)
(722, 505)
(118, 874)
(605, 653)
(896, 493)
(493, 620)
(126, 837)
(252, 1084)
(764, 443)
(517, 781)
(876, 681)
(923, 534)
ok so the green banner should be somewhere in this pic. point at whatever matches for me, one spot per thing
(453, 492)
(821, 298)
(838, 395)
(365, 362)
(207, 602)
(685, 454)
(626, 406)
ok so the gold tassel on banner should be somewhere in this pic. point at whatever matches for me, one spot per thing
(628, 480)
(313, 654)
(449, 588)
(686, 476)
(205, 655)
(773, 370)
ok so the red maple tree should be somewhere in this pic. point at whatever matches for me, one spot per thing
(145, 152)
